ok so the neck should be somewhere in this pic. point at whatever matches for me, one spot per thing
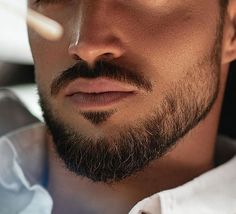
(80, 195)
(193, 155)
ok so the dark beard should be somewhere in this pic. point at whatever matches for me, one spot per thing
(111, 159)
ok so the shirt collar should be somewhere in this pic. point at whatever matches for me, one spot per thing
(212, 192)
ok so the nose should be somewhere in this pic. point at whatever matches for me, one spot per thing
(91, 51)
(97, 38)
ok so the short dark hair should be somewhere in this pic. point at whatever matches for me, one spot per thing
(224, 3)
(223, 6)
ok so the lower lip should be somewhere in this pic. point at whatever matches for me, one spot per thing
(94, 100)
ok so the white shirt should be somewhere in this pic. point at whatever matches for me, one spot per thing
(23, 169)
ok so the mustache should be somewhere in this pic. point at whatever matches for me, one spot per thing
(100, 69)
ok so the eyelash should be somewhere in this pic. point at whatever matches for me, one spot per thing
(46, 1)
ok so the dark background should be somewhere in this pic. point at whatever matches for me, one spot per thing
(228, 115)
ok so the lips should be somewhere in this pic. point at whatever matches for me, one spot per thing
(98, 85)
(87, 93)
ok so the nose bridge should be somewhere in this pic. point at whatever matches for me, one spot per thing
(97, 38)
(96, 20)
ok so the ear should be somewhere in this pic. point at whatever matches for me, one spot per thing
(229, 41)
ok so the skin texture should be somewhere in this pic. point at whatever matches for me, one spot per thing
(171, 44)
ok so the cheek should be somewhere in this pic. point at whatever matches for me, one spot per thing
(44, 60)
(50, 59)
(175, 41)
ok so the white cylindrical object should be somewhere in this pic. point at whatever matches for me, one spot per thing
(46, 27)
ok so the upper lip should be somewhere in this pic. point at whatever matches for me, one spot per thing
(98, 85)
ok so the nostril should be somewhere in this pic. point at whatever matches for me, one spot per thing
(106, 56)
(76, 57)
(92, 51)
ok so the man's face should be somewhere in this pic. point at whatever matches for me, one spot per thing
(127, 80)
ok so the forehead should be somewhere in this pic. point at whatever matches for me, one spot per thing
(150, 7)
(128, 2)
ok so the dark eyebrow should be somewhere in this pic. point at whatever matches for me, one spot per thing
(47, 1)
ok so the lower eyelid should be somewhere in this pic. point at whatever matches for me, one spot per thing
(46, 1)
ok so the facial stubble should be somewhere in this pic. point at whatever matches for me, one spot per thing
(112, 159)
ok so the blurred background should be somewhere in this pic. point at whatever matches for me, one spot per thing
(16, 64)
(17, 70)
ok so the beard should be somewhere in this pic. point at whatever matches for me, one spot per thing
(133, 147)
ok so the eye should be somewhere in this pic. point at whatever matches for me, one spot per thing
(47, 1)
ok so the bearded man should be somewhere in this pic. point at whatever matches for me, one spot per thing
(131, 97)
